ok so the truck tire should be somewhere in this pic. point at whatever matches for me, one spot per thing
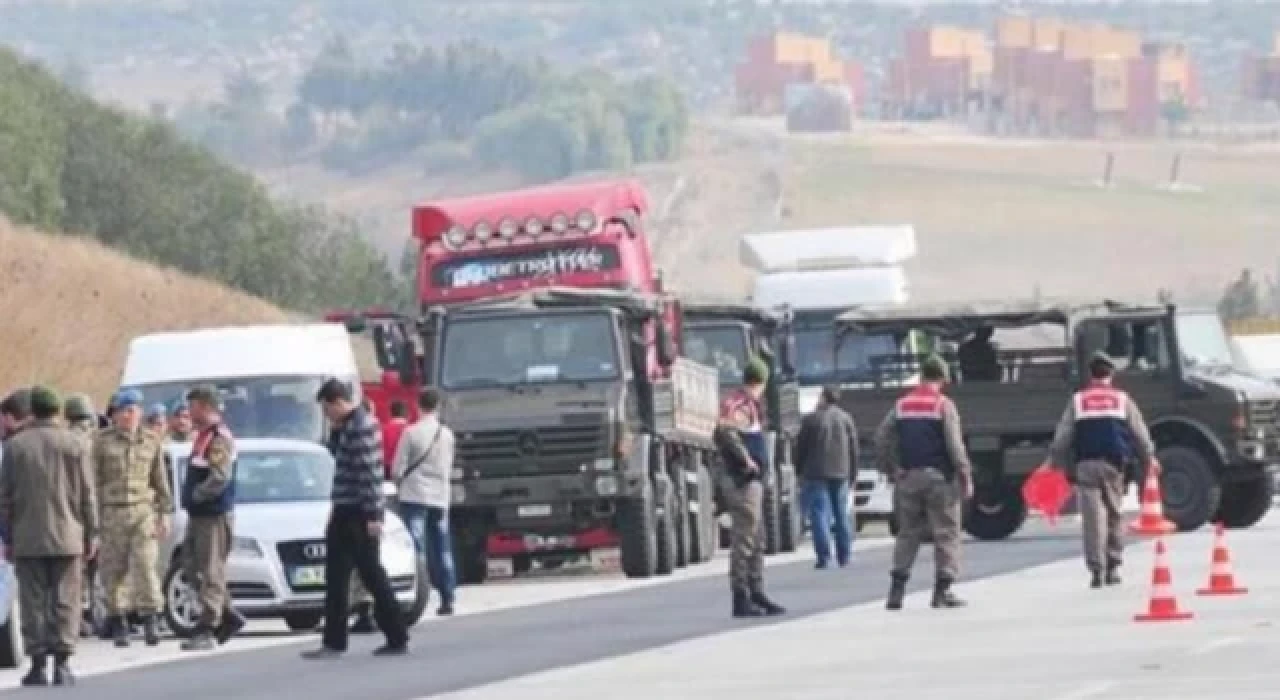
(11, 651)
(666, 539)
(638, 536)
(1244, 503)
(680, 516)
(1188, 487)
(995, 512)
(470, 557)
(704, 531)
(771, 517)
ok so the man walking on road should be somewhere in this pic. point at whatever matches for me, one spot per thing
(739, 437)
(49, 517)
(1101, 432)
(920, 446)
(132, 484)
(209, 497)
(827, 456)
(422, 468)
(355, 526)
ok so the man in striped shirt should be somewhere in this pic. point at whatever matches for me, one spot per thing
(355, 525)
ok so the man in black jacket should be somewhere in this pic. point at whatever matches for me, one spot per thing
(827, 458)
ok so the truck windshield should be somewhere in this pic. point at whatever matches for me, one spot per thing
(816, 362)
(257, 407)
(1203, 340)
(529, 348)
(724, 348)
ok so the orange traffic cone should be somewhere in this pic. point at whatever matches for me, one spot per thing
(1221, 580)
(1163, 606)
(1151, 520)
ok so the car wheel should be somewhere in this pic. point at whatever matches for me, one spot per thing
(421, 594)
(303, 621)
(181, 606)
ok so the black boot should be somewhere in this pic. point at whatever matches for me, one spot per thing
(1095, 578)
(760, 600)
(151, 630)
(62, 674)
(36, 676)
(743, 607)
(230, 625)
(1113, 575)
(121, 631)
(943, 597)
(897, 591)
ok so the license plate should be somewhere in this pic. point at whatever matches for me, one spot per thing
(606, 559)
(500, 568)
(541, 510)
(307, 576)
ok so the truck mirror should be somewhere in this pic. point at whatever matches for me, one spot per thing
(383, 349)
(666, 349)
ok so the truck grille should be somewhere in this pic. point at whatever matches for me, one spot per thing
(549, 449)
(1264, 414)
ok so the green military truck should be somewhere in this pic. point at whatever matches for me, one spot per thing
(725, 336)
(1217, 431)
(580, 431)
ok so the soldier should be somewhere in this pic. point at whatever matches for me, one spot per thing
(921, 447)
(209, 496)
(180, 421)
(133, 490)
(50, 519)
(740, 439)
(1101, 432)
(158, 419)
(83, 421)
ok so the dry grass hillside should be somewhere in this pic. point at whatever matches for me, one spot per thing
(69, 307)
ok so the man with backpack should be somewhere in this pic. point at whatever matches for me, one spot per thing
(422, 468)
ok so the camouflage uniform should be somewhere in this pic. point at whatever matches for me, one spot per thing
(83, 422)
(133, 488)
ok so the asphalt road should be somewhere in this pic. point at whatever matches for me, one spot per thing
(471, 651)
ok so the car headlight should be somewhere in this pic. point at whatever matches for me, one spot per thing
(246, 547)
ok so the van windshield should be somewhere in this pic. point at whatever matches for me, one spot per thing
(257, 407)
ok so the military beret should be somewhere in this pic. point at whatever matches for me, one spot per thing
(204, 394)
(45, 401)
(178, 406)
(157, 410)
(126, 398)
(756, 372)
(934, 367)
(78, 407)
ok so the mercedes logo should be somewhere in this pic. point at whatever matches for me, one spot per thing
(315, 550)
(527, 444)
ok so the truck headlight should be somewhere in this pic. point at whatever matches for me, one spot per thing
(246, 547)
(607, 485)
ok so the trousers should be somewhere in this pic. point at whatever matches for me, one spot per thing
(207, 546)
(825, 503)
(49, 591)
(429, 527)
(927, 503)
(349, 546)
(746, 535)
(128, 559)
(1101, 489)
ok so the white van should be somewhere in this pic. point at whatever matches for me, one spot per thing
(267, 375)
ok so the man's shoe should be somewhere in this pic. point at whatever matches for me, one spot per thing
(1095, 579)
(944, 598)
(391, 650)
(121, 632)
(897, 591)
(322, 654)
(364, 625)
(445, 609)
(760, 600)
(62, 674)
(743, 607)
(36, 676)
(1113, 576)
(202, 641)
(151, 630)
(230, 625)
(820, 565)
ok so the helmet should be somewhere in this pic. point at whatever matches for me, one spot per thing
(78, 407)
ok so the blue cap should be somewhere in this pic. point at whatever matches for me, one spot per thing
(157, 410)
(126, 398)
(178, 406)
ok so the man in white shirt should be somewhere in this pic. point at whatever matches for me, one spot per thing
(422, 468)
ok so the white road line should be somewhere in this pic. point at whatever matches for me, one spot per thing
(1212, 646)
(1090, 690)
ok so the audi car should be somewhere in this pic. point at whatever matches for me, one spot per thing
(277, 564)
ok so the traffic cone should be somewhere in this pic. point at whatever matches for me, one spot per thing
(1221, 580)
(1163, 606)
(1151, 520)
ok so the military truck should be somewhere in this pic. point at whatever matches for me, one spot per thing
(725, 336)
(580, 431)
(1216, 430)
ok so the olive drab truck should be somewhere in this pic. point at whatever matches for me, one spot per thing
(818, 274)
(1216, 431)
(725, 336)
(580, 432)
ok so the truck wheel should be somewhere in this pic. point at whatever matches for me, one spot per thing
(771, 518)
(1244, 503)
(638, 536)
(303, 621)
(995, 513)
(680, 516)
(666, 539)
(11, 651)
(704, 530)
(470, 557)
(1188, 487)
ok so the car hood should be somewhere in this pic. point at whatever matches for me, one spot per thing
(281, 522)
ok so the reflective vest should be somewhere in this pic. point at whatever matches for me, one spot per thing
(922, 441)
(198, 471)
(743, 412)
(1102, 425)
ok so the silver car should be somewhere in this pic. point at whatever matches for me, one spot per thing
(277, 562)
